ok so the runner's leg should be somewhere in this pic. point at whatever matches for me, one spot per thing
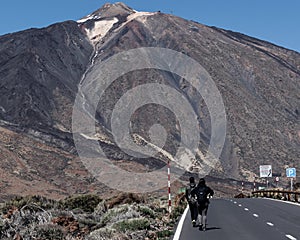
(204, 215)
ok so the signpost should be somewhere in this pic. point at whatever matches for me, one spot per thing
(291, 173)
(265, 171)
(277, 180)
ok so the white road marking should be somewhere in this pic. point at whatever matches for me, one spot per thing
(270, 224)
(287, 202)
(180, 224)
(246, 209)
(255, 215)
(235, 202)
(240, 205)
(290, 237)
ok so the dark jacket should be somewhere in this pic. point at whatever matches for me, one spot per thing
(199, 190)
(190, 187)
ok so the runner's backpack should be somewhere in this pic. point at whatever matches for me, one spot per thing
(201, 195)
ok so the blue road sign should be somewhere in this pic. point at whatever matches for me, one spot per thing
(291, 172)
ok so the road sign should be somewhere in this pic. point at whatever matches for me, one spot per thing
(265, 171)
(291, 172)
(181, 190)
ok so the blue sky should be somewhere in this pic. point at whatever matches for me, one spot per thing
(276, 21)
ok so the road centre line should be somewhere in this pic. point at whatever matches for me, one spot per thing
(290, 237)
(269, 223)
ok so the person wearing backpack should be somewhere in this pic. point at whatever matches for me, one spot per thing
(202, 192)
(192, 201)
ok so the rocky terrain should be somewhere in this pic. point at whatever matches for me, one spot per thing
(126, 216)
(40, 75)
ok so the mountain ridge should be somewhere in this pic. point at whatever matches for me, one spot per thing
(41, 69)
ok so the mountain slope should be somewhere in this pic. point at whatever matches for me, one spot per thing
(41, 71)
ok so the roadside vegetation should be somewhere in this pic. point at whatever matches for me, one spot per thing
(125, 216)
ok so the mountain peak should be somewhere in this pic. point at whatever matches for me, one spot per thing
(109, 10)
(97, 24)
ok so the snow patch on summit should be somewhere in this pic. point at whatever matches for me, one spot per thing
(100, 29)
(140, 16)
(82, 20)
(88, 17)
(102, 25)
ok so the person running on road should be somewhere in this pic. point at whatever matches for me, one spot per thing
(192, 201)
(202, 193)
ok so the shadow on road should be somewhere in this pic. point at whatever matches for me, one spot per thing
(212, 228)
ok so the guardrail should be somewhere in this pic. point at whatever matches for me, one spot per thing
(286, 195)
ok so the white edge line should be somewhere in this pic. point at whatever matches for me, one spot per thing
(290, 237)
(180, 224)
(246, 209)
(270, 224)
(277, 200)
(255, 215)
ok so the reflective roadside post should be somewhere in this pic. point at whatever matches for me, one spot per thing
(169, 188)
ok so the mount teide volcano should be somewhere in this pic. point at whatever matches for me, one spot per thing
(40, 73)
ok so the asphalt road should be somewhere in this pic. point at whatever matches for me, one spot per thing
(247, 219)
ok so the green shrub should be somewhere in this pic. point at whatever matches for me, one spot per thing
(164, 234)
(102, 233)
(36, 200)
(113, 213)
(177, 211)
(86, 203)
(49, 232)
(132, 225)
(146, 211)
